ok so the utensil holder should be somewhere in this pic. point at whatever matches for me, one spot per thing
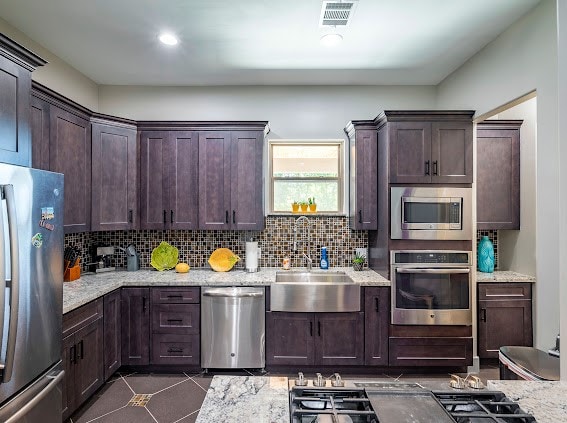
(72, 273)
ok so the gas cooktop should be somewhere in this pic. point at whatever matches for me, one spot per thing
(338, 401)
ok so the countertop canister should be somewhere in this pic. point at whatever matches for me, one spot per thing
(485, 255)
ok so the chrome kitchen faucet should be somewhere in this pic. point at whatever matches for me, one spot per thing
(307, 256)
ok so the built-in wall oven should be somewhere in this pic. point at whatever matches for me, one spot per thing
(431, 287)
(432, 213)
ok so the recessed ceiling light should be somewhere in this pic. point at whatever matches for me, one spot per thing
(330, 40)
(168, 38)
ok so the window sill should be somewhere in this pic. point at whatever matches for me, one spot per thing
(313, 214)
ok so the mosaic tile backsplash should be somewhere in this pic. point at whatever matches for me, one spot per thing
(493, 236)
(276, 241)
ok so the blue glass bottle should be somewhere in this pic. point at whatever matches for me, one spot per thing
(485, 255)
(324, 263)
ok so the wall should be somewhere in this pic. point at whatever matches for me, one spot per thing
(293, 111)
(522, 59)
(57, 74)
(518, 248)
(275, 241)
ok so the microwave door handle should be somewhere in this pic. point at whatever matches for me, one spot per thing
(8, 366)
(436, 271)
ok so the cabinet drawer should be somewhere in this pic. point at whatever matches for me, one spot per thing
(503, 291)
(450, 352)
(175, 349)
(175, 295)
(176, 318)
(76, 319)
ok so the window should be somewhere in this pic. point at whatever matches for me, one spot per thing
(299, 170)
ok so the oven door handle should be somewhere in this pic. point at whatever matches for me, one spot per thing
(430, 271)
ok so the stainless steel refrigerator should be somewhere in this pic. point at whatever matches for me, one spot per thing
(31, 294)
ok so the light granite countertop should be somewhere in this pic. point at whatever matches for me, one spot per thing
(237, 399)
(92, 286)
(545, 400)
(503, 276)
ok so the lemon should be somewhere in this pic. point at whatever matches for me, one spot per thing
(182, 268)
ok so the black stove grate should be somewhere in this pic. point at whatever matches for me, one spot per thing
(482, 407)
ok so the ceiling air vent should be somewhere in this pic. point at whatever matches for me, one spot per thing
(336, 13)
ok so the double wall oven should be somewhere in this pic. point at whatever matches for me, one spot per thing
(431, 287)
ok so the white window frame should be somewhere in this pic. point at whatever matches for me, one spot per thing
(341, 178)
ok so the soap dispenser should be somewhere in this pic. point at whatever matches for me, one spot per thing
(324, 264)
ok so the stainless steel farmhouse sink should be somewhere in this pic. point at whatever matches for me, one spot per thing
(314, 292)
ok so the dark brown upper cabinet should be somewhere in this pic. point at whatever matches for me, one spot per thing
(16, 65)
(498, 174)
(61, 142)
(114, 170)
(363, 179)
(231, 180)
(169, 175)
(429, 146)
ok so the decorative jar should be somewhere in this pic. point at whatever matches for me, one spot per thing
(485, 255)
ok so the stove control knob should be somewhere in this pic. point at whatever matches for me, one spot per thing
(476, 383)
(337, 382)
(457, 382)
(300, 381)
(319, 382)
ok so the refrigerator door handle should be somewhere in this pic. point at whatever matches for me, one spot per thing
(8, 366)
(2, 266)
(55, 380)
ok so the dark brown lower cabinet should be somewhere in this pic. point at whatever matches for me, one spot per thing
(112, 333)
(430, 351)
(314, 338)
(376, 325)
(175, 334)
(135, 308)
(82, 355)
(504, 317)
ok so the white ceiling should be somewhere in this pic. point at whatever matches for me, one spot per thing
(262, 42)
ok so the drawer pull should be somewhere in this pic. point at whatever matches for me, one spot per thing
(175, 296)
(174, 320)
(175, 350)
(505, 295)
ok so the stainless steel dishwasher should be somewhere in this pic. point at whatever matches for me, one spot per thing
(233, 327)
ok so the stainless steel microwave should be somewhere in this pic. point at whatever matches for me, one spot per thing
(436, 213)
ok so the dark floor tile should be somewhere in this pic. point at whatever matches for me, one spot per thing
(176, 402)
(127, 415)
(192, 418)
(204, 383)
(111, 397)
(150, 384)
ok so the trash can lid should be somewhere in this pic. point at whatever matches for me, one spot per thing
(536, 363)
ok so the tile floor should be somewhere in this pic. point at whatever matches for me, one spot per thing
(173, 398)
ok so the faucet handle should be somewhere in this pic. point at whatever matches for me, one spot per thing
(457, 382)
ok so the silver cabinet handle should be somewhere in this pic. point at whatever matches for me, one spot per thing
(439, 271)
(232, 295)
(8, 366)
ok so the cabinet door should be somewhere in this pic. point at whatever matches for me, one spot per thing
(289, 338)
(39, 122)
(377, 323)
(15, 140)
(410, 152)
(70, 154)
(153, 178)
(135, 326)
(339, 339)
(214, 180)
(114, 166)
(112, 333)
(68, 356)
(247, 194)
(451, 152)
(503, 323)
(183, 162)
(89, 374)
(430, 351)
(363, 180)
(498, 178)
